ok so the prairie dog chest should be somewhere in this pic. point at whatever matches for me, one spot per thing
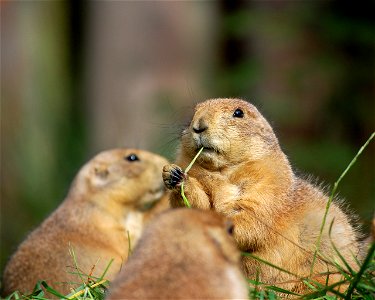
(226, 193)
(235, 281)
(222, 190)
(133, 223)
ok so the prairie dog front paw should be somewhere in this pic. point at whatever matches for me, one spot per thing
(173, 176)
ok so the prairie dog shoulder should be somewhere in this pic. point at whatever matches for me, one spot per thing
(107, 199)
(243, 174)
(183, 254)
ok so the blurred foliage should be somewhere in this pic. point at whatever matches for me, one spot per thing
(43, 136)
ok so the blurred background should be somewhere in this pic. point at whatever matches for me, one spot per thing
(78, 77)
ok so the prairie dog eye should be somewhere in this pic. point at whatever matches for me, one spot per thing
(238, 113)
(131, 157)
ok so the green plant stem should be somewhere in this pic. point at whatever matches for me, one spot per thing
(186, 201)
(193, 161)
(269, 264)
(129, 244)
(51, 290)
(351, 272)
(73, 255)
(106, 270)
(332, 196)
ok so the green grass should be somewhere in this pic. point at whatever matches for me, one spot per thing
(91, 287)
(94, 291)
(186, 201)
(360, 284)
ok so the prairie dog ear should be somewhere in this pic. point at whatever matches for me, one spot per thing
(100, 177)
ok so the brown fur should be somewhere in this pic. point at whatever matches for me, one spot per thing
(243, 174)
(183, 254)
(107, 198)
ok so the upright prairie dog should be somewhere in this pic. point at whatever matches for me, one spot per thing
(106, 202)
(183, 254)
(243, 174)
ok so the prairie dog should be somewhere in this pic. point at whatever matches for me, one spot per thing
(106, 201)
(183, 254)
(243, 174)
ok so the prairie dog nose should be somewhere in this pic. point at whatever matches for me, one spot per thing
(200, 126)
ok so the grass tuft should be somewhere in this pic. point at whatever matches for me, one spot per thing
(91, 288)
(335, 186)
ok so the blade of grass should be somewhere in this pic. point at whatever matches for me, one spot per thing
(186, 201)
(320, 291)
(357, 277)
(52, 291)
(193, 161)
(129, 244)
(88, 292)
(268, 263)
(258, 283)
(15, 295)
(281, 290)
(261, 296)
(73, 255)
(271, 295)
(83, 290)
(336, 184)
(38, 290)
(78, 283)
(257, 280)
(366, 287)
(309, 285)
(106, 269)
(338, 252)
(323, 290)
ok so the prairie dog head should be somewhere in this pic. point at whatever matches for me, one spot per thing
(205, 231)
(230, 130)
(127, 176)
(183, 254)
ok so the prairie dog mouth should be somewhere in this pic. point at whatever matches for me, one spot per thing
(157, 193)
(207, 149)
(206, 144)
(151, 198)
